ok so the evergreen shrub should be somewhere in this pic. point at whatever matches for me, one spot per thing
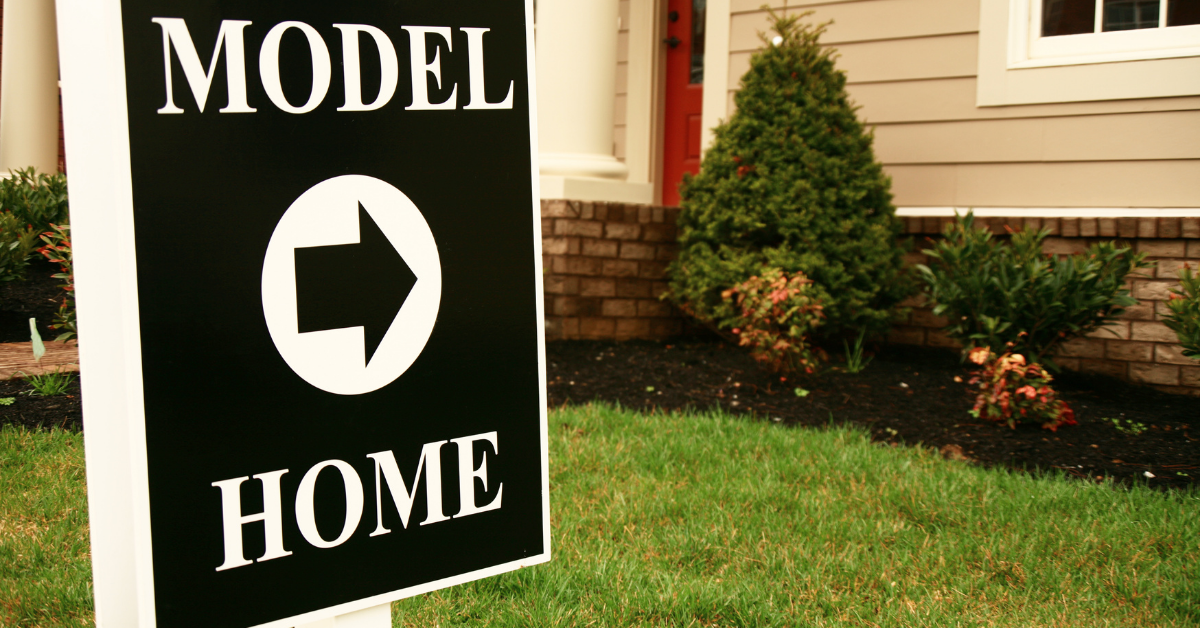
(791, 184)
(1013, 298)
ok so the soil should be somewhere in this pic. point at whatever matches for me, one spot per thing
(37, 296)
(906, 395)
(37, 412)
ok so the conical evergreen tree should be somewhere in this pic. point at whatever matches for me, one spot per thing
(791, 182)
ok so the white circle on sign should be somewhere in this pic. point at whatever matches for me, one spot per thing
(339, 360)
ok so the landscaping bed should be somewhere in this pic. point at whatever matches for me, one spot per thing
(906, 395)
(35, 411)
(38, 295)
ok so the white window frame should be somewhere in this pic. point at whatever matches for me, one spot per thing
(1017, 66)
(1029, 49)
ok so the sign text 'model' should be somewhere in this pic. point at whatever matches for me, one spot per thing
(231, 39)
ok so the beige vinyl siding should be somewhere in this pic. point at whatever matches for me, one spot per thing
(911, 66)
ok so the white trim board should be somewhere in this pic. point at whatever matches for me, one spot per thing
(1051, 212)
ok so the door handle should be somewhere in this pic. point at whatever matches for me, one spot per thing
(672, 41)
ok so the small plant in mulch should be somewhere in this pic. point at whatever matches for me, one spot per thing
(1184, 317)
(777, 314)
(1010, 297)
(1014, 391)
(49, 383)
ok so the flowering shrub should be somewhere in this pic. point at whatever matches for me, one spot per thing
(1013, 391)
(776, 313)
(58, 250)
(1184, 318)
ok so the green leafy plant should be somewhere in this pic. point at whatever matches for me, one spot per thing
(29, 203)
(50, 384)
(1126, 426)
(57, 249)
(791, 182)
(1012, 297)
(776, 315)
(7, 401)
(1013, 391)
(1184, 318)
(17, 242)
(36, 199)
(855, 359)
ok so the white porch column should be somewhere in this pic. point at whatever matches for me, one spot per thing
(29, 87)
(577, 64)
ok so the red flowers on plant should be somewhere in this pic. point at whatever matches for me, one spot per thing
(777, 314)
(1012, 392)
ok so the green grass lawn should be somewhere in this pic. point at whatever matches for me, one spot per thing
(665, 520)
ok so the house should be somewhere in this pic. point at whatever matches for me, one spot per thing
(1081, 116)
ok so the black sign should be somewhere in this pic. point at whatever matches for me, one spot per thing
(337, 291)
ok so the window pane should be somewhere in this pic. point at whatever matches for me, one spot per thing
(1068, 17)
(1183, 12)
(1127, 15)
(697, 75)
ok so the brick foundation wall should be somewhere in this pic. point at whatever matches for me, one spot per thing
(605, 266)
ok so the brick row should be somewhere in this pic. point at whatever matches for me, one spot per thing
(1146, 228)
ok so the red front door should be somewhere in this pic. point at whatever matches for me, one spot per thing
(685, 89)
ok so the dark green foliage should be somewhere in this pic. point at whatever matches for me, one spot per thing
(38, 199)
(1184, 318)
(17, 242)
(1013, 298)
(791, 183)
(29, 204)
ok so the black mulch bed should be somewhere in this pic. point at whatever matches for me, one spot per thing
(906, 395)
(34, 411)
(37, 296)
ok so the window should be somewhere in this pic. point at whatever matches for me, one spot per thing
(1076, 17)
(1054, 51)
(1072, 32)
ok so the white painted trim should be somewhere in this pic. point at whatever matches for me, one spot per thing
(592, 189)
(643, 100)
(535, 176)
(716, 69)
(97, 143)
(1051, 212)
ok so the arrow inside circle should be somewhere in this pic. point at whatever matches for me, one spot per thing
(352, 285)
